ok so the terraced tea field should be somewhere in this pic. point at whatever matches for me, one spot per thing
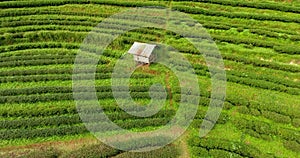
(259, 42)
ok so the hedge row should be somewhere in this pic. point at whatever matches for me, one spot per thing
(222, 153)
(296, 122)
(50, 44)
(205, 97)
(223, 118)
(39, 3)
(249, 111)
(267, 33)
(169, 151)
(48, 22)
(41, 112)
(16, 4)
(47, 11)
(52, 71)
(78, 37)
(37, 98)
(46, 132)
(291, 112)
(267, 129)
(67, 36)
(40, 52)
(68, 60)
(61, 109)
(111, 27)
(259, 43)
(199, 151)
(39, 78)
(62, 77)
(95, 150)
(249, 41)
(258, 5)
(289, 134)
(274, 33)
(103, 151)
(295, 38)
(240, 28)
(40, 121)
(74, 119)
(257, 126)
(121, 25)
(239, 148)
(51, 16)
(255, 134)
(53, 27)
(143, 142)
(263, 84)
(269, 78)
(235, 15)
(40, 45)
(292, 145)
(260, 63)
(78, 129)
(216, 26)
(79, 96)
(251, 80)
(35, 57)
(289, 49)
(61, 89)
(276, 117)
(23, 29)
(42, 153)
(141, 123)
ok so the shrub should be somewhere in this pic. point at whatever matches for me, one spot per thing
(295, 38)
(94, 150)
(259, 127)
(193, 10)
(255, 112)
(266, 137)
(287, 49)
(221, 153)
(243, 109)
(237, 101)
(292, 145)
(43, 153)
(260, 63)
(276, 117)
(227, 106)
(222, 144)
(264, 32)
(258, 5)
(296, 122)
(169, 151)
(289, 134)
(252, 133)
(199, 151)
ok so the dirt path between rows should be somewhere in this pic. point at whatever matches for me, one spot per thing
(184, 146)
(167, 80)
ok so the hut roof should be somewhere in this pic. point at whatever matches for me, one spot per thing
(141, 49)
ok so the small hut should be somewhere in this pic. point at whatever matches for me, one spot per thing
(142, 52)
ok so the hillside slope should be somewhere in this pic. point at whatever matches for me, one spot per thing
(259, 43)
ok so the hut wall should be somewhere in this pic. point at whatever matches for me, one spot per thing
(141, 59)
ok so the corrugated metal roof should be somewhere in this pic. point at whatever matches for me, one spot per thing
(141, 49)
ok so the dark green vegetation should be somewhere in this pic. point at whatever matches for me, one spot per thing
(101, 151)
(259, 42)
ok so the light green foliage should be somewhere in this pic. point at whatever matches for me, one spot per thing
(259, 42)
